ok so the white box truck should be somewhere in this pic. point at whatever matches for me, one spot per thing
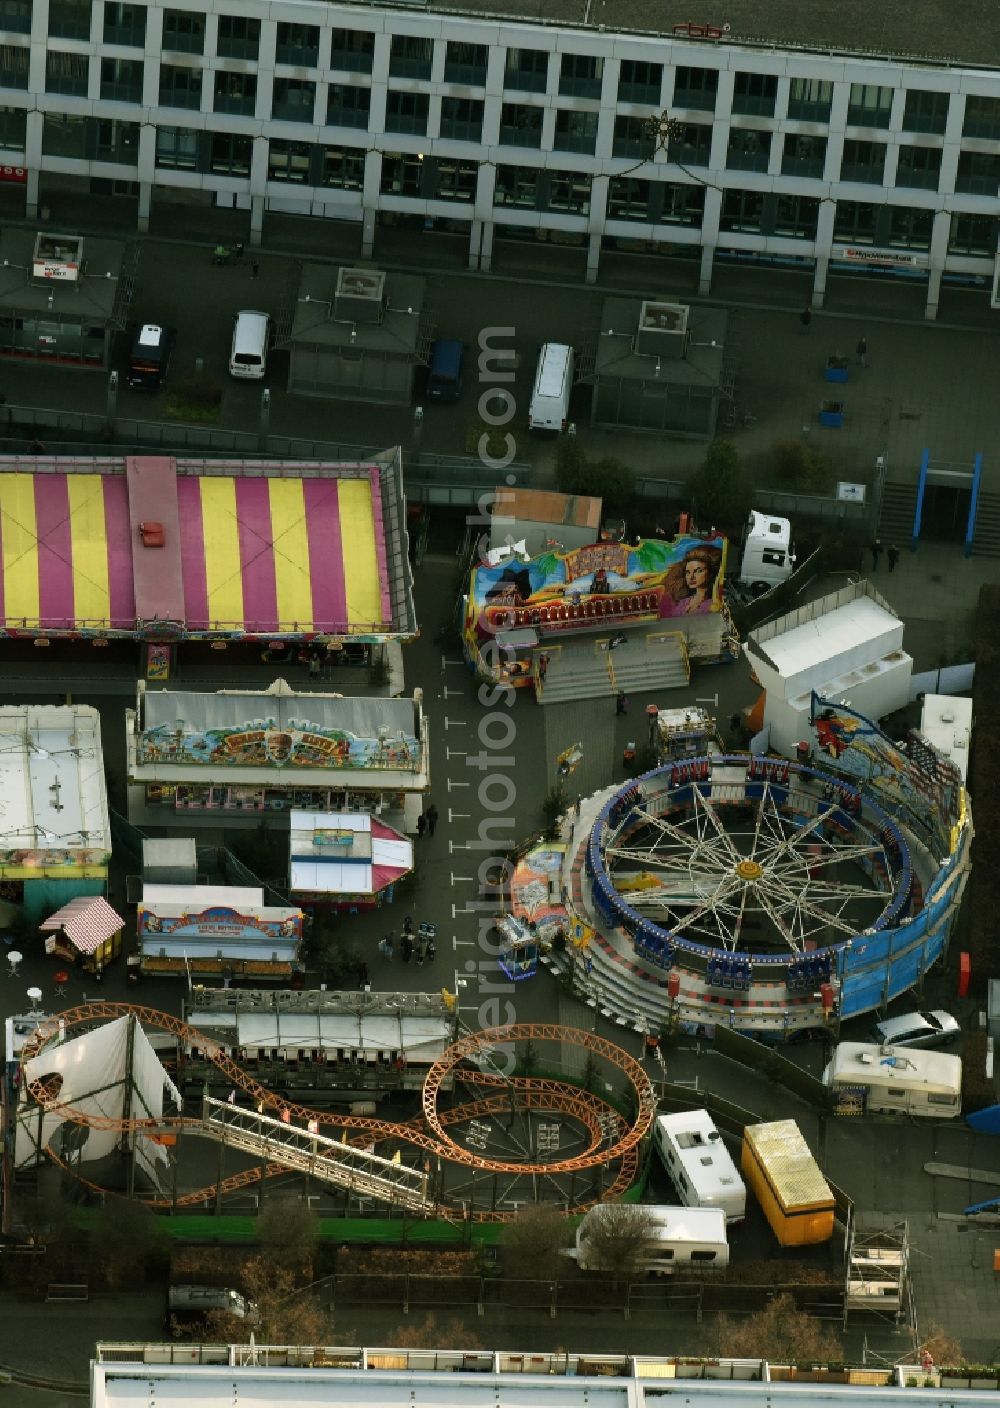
(549, 411)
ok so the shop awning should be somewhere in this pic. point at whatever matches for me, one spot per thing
(152, 542)
(88, 921)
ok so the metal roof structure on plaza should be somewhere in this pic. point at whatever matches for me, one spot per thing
(945, 31)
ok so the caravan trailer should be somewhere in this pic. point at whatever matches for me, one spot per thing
(699, 1164)
(679, 1237)
(895, 1080)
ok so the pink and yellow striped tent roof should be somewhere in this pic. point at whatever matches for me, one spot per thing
(277, 551)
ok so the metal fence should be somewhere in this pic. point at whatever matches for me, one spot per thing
(431, 478)
(770, 1063)
(694, 1296)
(779, 501)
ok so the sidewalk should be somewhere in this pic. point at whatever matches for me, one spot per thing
(922, 387)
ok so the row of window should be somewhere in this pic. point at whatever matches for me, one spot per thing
(294, 99)
(527, 188)
(304, 162)
(526, 69)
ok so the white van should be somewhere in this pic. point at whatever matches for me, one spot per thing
(553, 384)
(248, 359)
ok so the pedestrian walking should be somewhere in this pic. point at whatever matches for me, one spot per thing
(621, 703)
(238, 249)
(892, 556)
(421, 825)
(577, 805)
(363, 979)
(254, 268)
(406, 948)
(862, 350)
(432, 819)
(876, 552)
(408, 928)
(805, 318)
(543, 667)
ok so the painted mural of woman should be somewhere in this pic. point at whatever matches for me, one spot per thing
(690, 583)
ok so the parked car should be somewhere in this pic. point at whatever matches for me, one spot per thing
(916, 1029)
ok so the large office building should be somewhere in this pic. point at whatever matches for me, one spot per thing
(828, 137)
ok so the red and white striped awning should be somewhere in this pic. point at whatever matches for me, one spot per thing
(86, 921)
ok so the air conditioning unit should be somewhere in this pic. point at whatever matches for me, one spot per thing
(359, 296)
(663, 329)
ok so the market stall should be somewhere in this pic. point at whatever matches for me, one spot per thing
(87, 930)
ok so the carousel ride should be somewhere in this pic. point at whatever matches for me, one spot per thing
(750, 891)
(476, 1119)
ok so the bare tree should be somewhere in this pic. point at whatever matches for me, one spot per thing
(289, 1313)
(942, 1347)
(618, 1238)
(533, 1243)
(452, 1333)
(779, 1331)
(288, 1231)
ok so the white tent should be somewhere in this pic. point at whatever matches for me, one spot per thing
(97, 1071)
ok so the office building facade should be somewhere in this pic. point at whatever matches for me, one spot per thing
(581, 128)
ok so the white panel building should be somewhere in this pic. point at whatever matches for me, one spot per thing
(342, 1376)
(846, 647)
(815, 137)
(946, 721)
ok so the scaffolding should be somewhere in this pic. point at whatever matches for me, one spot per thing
(878, 1274)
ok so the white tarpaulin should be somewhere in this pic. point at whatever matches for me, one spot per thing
(94, 1069)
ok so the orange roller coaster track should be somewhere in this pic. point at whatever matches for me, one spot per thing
(601, 1121)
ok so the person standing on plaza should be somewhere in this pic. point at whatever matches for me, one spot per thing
(254, 268)
(892, 556)
(621, 702)
(238, 250)
(876, 552)
(421, 825)
(805, 318)
(432, 819)
(862, 350)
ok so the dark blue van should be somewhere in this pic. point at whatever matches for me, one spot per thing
(444, 378)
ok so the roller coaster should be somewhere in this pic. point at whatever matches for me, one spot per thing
(284, 1135)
